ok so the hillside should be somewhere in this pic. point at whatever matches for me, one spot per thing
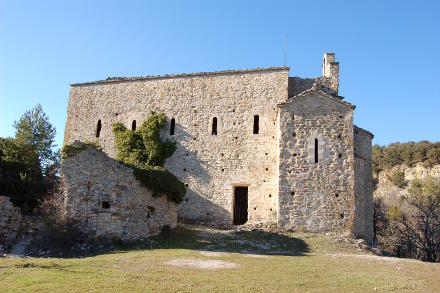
(207, 260)
(393, 192)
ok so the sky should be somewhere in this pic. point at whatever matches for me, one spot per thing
(388, 51)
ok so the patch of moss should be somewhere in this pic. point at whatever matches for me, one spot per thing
(144, 151)
(70, 150)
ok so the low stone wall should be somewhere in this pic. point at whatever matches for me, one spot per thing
(107, 198)
(9, 220)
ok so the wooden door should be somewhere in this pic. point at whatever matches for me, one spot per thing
(240, 205)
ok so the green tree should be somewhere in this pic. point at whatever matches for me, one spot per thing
(34, 128)
(20, 173)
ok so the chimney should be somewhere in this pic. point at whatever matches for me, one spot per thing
(330, 69)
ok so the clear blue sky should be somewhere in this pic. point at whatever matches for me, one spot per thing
(388, 51)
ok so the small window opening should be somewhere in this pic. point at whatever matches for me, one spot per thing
(316, 150)
(337, 194)
(98, 128)
(340, 155)
(270, 195)
(172, 126)
(105, 205)
(294, 134)
(214, 126)
(150, 211)
(186, 185)
(292, 193)
(256, 124)
(342, 216)
(133, 125)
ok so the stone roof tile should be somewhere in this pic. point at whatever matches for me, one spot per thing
(180, 75)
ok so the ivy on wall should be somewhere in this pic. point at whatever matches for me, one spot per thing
(70, 150)
(144, 151)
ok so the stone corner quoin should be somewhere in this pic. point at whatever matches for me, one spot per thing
(253, 145)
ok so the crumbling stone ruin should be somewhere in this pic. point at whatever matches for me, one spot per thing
(107, 198)
(10, 217)
(253, 146)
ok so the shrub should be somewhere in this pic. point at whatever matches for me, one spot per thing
(21, 176)
(414, 232)
(61, 229)
(433, 156)
(411, 153)
(397, 178)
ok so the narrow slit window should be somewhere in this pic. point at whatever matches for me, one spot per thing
(214, 126)
(172, 126)
(256, 124)
(133, 125)
(98, 128)
(316, 150)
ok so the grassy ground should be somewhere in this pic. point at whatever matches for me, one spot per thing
(205, 260)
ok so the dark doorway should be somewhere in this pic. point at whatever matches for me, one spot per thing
(240, 205)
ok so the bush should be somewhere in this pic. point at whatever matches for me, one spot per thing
(411, 153)
(397, 178)
(414, 232)
(21, 177)
(60, 229)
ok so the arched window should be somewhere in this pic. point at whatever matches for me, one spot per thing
(133, 125)
(256, 124)
(172, 126)
(98, 128)
(214, 126)
(316, 150)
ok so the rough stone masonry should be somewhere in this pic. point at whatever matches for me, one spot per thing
(252, 144)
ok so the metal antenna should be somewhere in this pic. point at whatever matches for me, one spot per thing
(285, 49)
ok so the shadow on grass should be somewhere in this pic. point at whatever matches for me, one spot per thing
(206, 239)
(199, 238)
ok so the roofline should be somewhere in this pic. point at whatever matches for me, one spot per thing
(314, 89)
(181, 75)
(363, 130)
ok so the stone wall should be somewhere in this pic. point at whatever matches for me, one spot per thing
(316, 196)
(298, 85)
(271, 163)
(363, 188)
(10, 217)
(108, 199)
(210, 165)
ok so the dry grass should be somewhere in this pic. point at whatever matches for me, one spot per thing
(207, 260)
